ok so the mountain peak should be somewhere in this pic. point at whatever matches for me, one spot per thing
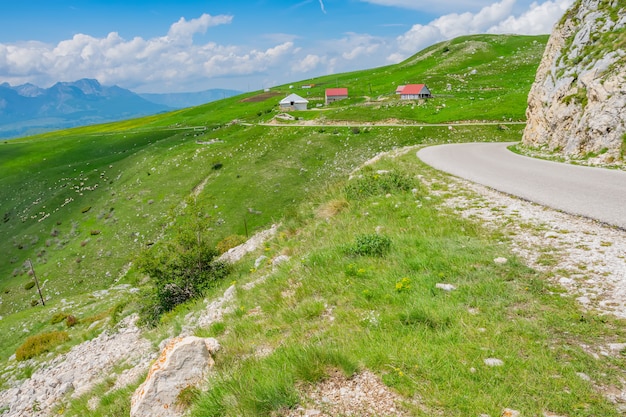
(29, 90)
(88, 86)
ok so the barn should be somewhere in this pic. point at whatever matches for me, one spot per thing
(293, 102)
(334, 94)
(415, 92)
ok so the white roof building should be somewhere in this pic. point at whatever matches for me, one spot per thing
(293, 102)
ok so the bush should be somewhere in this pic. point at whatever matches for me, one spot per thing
(370, 245)
(29, 285)
(178, 276)
(58, 318)
(40, 343)
(374, 183)
(181, 269)
(229, 242)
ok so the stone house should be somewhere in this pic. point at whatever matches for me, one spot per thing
(415, 92)
(334, 94)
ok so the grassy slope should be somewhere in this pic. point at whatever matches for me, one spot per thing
(144, 170)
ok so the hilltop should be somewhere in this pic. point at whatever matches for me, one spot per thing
(369, 275)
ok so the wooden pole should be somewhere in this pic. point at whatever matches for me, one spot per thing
(32, 269)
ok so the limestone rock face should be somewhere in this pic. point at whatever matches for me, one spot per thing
(577, 104)
(184, 362)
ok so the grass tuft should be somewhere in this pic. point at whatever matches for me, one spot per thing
(369, 245)
(38, 344)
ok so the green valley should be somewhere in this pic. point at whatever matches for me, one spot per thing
(86, 205)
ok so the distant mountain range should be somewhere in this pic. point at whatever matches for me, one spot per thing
(28, 109)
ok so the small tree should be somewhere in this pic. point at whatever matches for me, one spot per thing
(182, 269)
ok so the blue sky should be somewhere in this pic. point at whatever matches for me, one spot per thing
(191, 45)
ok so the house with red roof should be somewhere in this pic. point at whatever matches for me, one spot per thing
(415, 92)
(334, 94)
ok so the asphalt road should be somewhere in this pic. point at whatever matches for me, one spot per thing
(595, 193)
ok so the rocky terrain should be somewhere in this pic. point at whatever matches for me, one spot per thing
(577, 104)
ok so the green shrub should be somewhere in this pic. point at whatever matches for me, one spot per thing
(29, 285)
(229, 242)
(58, 318)
(378, 183)
(177, 278)
(40, 343)
(370, 245)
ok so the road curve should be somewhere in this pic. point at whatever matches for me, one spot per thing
(596, 193)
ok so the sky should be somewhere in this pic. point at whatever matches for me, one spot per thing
(163, 46)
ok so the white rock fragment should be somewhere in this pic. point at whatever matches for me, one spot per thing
(500, 260)
(617, 347)
(445, 287)
(493, 362)
(280, 259)
(258, 261)
(583, 376)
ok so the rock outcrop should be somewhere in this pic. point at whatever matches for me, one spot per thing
(184, 363)
(577, 104)
(77, 372)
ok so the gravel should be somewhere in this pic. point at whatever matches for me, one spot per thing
(587, 258)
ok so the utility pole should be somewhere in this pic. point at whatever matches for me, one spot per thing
(32, 269)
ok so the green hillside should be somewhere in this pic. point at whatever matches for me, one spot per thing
(79, 202)
(86, 204)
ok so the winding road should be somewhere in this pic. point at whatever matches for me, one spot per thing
(595, 193)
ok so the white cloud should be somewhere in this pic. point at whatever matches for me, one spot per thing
(338, 55)
(495, 18)
(539, 19)
(357, 45)
(184, 30)
(308, 63)
(170, 60)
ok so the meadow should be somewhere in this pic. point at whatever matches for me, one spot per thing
(84, 204)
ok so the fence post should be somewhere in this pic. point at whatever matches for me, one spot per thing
(32, 269)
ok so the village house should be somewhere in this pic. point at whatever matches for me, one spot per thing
(293, 102)
(334, 94)
(414, 92)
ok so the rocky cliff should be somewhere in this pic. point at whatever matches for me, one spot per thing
(577, 105)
